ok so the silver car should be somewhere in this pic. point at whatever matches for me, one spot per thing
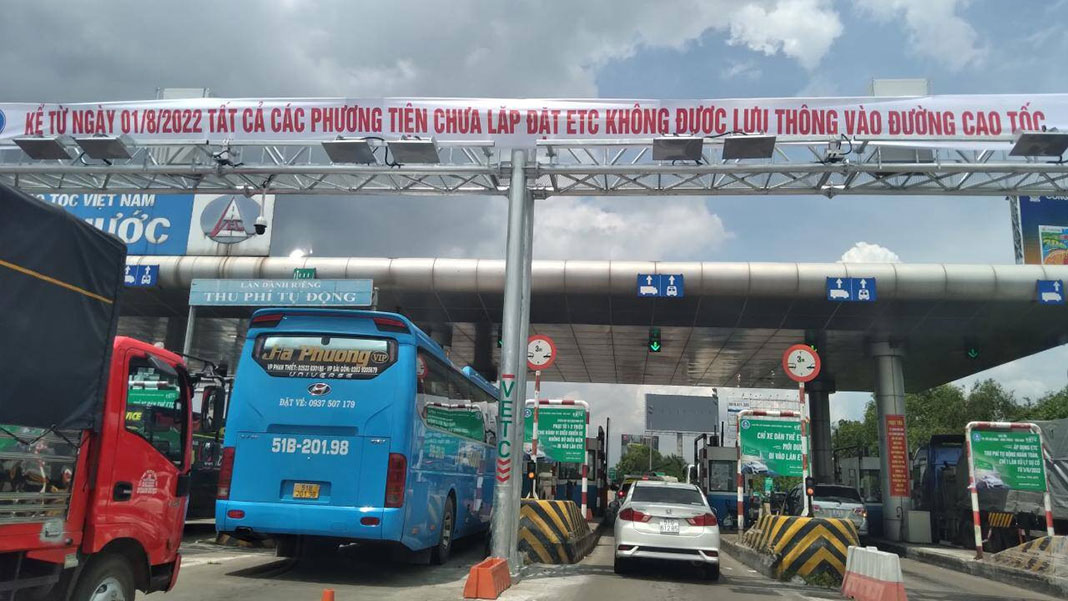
(833, 501)
(667, 521)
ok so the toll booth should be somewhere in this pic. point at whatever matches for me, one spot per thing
(717, 479)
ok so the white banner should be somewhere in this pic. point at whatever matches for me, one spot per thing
(519, 122)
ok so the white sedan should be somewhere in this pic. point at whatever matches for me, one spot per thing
(667, 521)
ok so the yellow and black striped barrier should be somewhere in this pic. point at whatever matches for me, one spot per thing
(1046, 555)
(803, 547)
(553, 532)
(1000, 519)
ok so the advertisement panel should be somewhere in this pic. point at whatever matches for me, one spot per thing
(521, 121)
(681, 413)
(465, 421)
(1008, 459)
(561, 432)
(1044, 229)
(734, 400)
(176, 224)
(771, 447)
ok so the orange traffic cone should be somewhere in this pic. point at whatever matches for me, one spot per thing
(328, 594)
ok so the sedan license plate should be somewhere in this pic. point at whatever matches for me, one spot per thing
(305, 491)
(669, 526)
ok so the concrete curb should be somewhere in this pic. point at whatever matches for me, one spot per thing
(1050, 585)
(754, 559)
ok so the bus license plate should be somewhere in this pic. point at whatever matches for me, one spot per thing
(669, 526)
(305, 491)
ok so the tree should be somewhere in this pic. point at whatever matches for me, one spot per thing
(947, 409)
(858, 435)
(635, 460)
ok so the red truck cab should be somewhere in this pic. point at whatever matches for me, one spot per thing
(96, 514)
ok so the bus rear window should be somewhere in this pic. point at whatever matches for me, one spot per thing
(304, 356)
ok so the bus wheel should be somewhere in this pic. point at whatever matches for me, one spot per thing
(440, 553)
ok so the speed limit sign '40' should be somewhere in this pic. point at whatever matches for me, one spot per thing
(801, 363)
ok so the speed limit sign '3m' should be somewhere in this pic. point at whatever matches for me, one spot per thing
(801, 363)
(541, 352)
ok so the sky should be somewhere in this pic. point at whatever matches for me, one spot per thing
(62, 51)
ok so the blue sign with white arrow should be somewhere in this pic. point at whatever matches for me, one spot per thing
(1050, 292)
(671, 285)
(847, 290)
(141, 276)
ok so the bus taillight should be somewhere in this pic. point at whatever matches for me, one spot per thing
(267, 320)
(395, 476)
(389, 324)
(226, 473)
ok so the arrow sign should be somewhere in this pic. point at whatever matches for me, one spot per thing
(649, 280)
(655, 346)
(864, 283)
(839, 282)
(1050, 292)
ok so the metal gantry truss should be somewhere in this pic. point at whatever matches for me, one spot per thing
(559, 168)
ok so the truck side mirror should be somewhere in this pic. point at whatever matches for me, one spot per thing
(211, 409)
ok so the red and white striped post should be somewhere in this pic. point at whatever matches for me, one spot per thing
(534, 434)
(738, 441)
(804, 446)
(586, 463)
(972, 490)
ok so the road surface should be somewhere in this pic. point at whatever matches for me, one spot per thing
(232, 574)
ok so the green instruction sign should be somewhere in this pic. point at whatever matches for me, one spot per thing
(771, 447)
(154, 397)
(561, 432)
(466, 422)
(1008, 459)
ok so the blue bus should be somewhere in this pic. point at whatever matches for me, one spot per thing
(353, 426)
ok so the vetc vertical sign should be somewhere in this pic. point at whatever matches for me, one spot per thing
(898, 449)
(504, 441)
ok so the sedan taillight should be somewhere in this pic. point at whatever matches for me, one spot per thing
(629, 515)
(708, 519)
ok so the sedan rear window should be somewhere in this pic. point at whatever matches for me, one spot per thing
(841, 494)
(666, 494)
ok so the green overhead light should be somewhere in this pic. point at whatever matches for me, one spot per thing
(654, 340)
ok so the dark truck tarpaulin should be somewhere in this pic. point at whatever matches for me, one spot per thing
(60, 280)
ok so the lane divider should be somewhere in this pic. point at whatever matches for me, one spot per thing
(553, 532)
(873, 575)
(488, 579)
(803, 546)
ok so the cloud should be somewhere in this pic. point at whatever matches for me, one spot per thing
(863, 252)
(746, 70)
(935, 29)
(801, 29)
(626, 229)
(474, 227)
(339, 48)
(1027, 378)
